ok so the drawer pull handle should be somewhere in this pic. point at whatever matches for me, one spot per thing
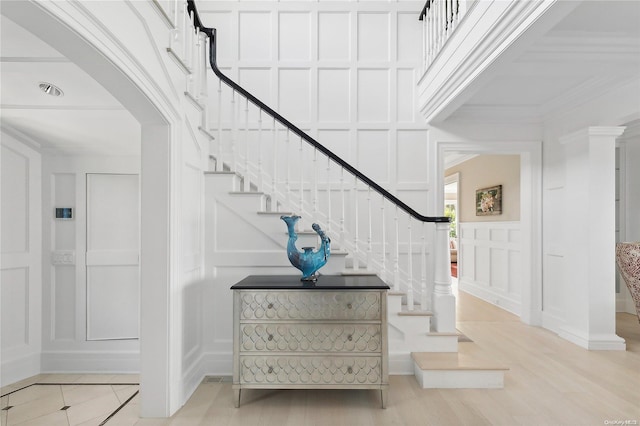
(270, 306)
(349, 305)
(270, 370)
(270, 337)
(350, 370)
(350, 337)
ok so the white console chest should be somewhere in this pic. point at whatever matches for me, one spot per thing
(294, 335)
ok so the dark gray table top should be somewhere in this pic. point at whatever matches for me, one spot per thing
(325, 282)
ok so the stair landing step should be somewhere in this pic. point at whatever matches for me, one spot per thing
(246, 193)
(468, 357)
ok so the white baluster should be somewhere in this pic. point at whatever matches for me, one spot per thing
(356, 249)
(259, 183)
(342, 214)
(370, 230)
(301, 177)
(219, 163)
(423, 272)
(274, 180)
(410, 303)
(315, 182)
(288, 167)
(328, 194)
(246, 145)
(233, 130)
(383, 260)
(191, 44)
(396, 262)
(184, 31)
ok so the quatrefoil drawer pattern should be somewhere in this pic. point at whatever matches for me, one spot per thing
(296, 338)
(316, 337)
(310, 305)
(310, 370)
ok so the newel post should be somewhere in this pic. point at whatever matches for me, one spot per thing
(444, 302)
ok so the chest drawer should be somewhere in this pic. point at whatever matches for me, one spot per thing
(310, 305)
(311, 337)
(317, 371)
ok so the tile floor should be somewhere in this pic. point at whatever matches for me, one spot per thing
(57, 399)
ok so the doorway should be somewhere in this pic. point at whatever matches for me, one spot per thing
(451, 189)
(529, 272)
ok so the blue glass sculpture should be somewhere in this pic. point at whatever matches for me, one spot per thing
(308, 261)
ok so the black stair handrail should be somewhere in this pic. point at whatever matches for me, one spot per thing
(211, 33)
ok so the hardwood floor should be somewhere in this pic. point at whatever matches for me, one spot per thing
(550, 382)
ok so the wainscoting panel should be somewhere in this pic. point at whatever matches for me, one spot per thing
(489, 262)
(20, 261)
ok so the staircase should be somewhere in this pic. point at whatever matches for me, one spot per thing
(262, 166)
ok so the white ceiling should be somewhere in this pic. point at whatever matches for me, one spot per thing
(594, 48)
(86, 120)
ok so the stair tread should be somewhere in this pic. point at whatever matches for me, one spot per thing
(276, 213)
(222, 172)
(414, 313)
(396, 293)
(246, 193)
(468, 357)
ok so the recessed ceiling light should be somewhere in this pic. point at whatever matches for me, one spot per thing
(50, 89)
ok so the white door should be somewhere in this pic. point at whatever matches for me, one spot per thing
(112, 259)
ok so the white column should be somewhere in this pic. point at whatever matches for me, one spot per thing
(589, 223)
(444, 302)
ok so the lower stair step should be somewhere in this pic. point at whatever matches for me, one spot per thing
(469, 368)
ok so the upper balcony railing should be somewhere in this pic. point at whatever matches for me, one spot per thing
(439, 20)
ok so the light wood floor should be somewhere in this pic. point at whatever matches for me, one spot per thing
(550, 382)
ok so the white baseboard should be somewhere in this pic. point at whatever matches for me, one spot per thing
(600, 342)
(91, 362)
(14, 370)
(488, 295)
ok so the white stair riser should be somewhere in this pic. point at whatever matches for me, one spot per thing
(412, 325)
(249, 202)
(459, 379)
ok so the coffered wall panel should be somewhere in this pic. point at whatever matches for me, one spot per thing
(294, 40)
(373, 95)
(294, 94)
(333, 95)
(373, 36)
(255, 36)
(334, 36)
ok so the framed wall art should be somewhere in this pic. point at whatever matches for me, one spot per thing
(489, 201)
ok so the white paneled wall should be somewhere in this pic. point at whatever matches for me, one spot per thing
(490, 262)
(77, 313)
(344, 72)
(20, 270)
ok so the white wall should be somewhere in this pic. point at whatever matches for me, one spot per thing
(21, 251)
(343, 72)
(65, 345)
(123, 45)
